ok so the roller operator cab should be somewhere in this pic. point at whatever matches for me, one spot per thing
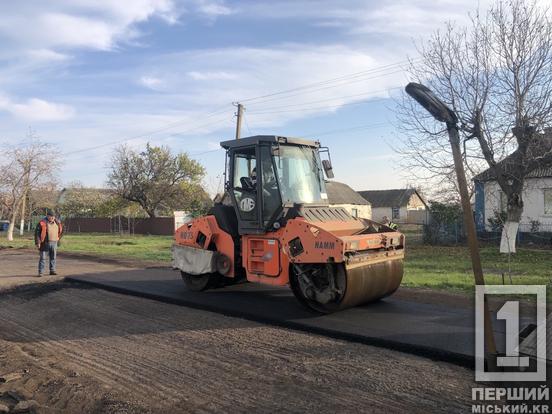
(274, 226)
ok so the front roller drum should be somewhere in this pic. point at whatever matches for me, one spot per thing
(220, 265)
(199, 283)
(329, 288)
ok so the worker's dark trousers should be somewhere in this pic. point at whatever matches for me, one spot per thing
(49, 250)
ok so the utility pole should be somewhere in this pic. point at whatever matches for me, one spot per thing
(239, 116)
(442, 113)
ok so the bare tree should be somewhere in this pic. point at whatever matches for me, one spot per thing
(496, 74)
(27, 167)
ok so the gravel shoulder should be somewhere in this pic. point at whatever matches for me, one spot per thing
(85, 350)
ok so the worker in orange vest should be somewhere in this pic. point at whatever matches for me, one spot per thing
(48, 232)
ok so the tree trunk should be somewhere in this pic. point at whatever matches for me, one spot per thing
(22, 222)
(12, 218)
(10, 230)
(510, 229)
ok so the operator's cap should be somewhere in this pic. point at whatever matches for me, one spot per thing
(50, 212)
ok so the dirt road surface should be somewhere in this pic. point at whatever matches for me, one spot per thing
(87, 350)
(74, 349)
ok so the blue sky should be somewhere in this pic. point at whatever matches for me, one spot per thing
(85, 75)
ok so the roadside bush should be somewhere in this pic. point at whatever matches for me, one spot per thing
(445, 225)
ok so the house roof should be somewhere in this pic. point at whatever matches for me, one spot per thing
(340, 193)
(537, 148)
(488, 174)
(389, 198)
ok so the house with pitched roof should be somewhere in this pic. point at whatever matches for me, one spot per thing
(403, 205)
(341, 195)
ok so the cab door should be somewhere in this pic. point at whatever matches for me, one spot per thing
(243, 188)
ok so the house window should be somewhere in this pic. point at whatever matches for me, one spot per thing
(548, 201)
(354, 212)
(395, 213)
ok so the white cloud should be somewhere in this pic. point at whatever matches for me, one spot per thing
(47, 55)
(211, 75)
(36, 109)
(151, 82)
(72, 24)
(213, 8)
(60, 29)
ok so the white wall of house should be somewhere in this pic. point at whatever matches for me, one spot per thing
(363, 210)
(414, 216)
(533, 199)
(379, 212)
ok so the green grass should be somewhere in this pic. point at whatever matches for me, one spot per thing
(449, 268)
(149, 248)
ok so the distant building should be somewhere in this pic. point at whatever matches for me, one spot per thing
(341, 195)
(401, 206)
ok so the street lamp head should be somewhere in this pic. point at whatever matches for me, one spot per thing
(435, 106)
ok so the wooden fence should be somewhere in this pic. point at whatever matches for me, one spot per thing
(119, 224)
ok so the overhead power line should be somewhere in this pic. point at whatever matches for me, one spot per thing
(317, 108)
(337, 85)
(356, 128)
(167, 127)
(325, 82)
(330, 99)
(85, 150)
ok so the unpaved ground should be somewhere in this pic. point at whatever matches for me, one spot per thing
(86, 350)
(20, 266)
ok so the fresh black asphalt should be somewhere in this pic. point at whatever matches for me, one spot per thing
(435, 331)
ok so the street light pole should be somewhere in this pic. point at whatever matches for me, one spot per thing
(441, 112)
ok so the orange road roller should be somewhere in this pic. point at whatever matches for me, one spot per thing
(273, 225)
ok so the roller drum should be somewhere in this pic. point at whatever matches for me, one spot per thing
(367, 283)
